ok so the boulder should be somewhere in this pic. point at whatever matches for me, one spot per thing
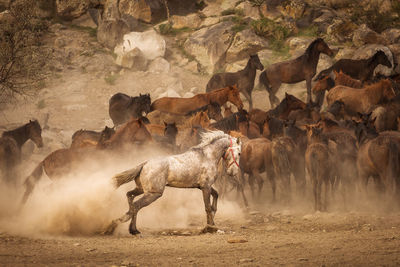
(395, 48)
(341, 30)
(209, 45)
(111, 10)
(364, 35)
(346, 52)
(149, 42)
(133, 59)
(138, 9)
(169, 93)
(368, 51)
(250, 10)
(192, 21)
(209, 21)
(269, 10)
(71, 9)
(245, 43)
(299, 43)
(294, 9)
(111, 32)
(391, 35)
(159, 65)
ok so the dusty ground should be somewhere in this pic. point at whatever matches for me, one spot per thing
(60, 224)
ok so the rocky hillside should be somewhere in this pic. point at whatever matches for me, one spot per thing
(100, 47)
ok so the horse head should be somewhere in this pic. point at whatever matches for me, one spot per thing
(141, 133)
(214, 111)
(234, 96)
(323, 47)
(314, 133)
(256, 63)
(145, 102)
(381, 58)
(35, 132)
(294, 103)
(170, 131)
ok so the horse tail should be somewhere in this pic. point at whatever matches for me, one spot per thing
(127, 176)
(280, 159)
(264, 81)
(31, 180)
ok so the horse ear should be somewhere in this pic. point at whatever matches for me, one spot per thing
(286, 95)
(165, 124)
(238, 141)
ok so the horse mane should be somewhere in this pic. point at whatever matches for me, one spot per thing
(230, 123)
(209, 137)
(310, 48)
(19, 129)
(202, 108)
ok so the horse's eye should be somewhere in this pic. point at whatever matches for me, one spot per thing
(239, 154)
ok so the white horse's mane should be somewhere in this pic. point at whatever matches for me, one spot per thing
(209, 136)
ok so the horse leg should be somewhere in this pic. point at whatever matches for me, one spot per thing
(206, 197)
(272, 180)
(308, 84)
(214, 194)
(326, 195)
(130, 196)
(247, 95)
(144, 201)
(251, 184)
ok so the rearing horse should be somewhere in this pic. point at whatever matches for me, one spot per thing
(293, 71)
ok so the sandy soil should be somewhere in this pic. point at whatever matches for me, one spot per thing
(60, 224)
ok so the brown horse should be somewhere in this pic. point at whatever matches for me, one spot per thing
(361, 100)
(82, 137)
(361, 69)
(319, 166)
(63, 161)
(386, 115)
(379, 157)
(123, 107)
(199, 119)
(295, 70)
(238, 121)
(132, 132)
(181, 105)
(164, 135)
(10, 147)
(340, 78)
(227, 111)
(244, 79)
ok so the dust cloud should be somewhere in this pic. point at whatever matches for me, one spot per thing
(84, 202)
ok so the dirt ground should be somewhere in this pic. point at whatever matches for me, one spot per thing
(316, 239)
(61, 223)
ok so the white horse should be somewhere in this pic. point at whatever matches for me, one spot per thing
(196, 168)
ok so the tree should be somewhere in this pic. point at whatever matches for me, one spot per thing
(21, 54)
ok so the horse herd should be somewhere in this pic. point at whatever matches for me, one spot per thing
(340, 148)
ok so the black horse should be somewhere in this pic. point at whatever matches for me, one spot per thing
(123, 107)
(293, 71)
(244, 79)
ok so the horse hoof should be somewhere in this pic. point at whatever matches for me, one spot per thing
(134, 232)
(110, 229)
(209, 229)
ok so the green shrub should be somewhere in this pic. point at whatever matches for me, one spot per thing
(270, 29)
(111, 78)
(166, 29)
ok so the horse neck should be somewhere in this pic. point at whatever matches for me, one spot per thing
(280, 110)
(218, 96)
(20, 135)
(374, 93)
(314, 56)
(217, 149)
(249, 71)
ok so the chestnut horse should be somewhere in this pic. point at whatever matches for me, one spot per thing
(181, 105)
(244, 79)
(82, 137)
(294, 71)
(361, 100)
(10, 147)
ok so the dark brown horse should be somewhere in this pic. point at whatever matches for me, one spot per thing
(213, 111)
(123, 107)
(180, 105)
(361, 69)
(82, 137)
(244, 79)
(10, 147)
(294, 71)
(238, 121)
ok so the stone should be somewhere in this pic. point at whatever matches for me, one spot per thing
(159, 65)
(249, 10)
(245, 43)
(72, 8)
(149, 42)
(341, 30)
(294, 8)
(364, 35)
(111, 32)
(391, 35)
(192, 21)
(133, 59)
(138, 9)
(209, 45)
